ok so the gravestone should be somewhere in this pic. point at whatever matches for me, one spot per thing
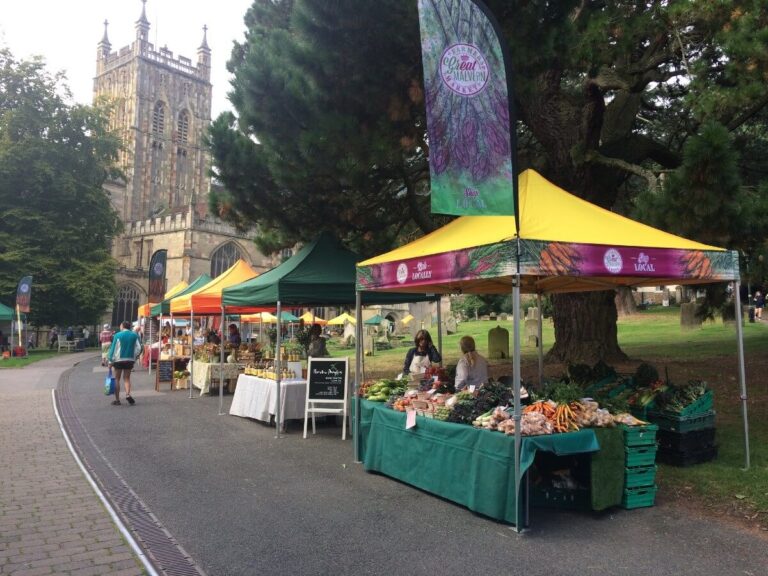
(688, 319)
(450, 325)
(498, 342)
(532, 313)
(503, 316)
(532, 331)
(665, 297)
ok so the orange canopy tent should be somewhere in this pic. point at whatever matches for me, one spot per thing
(207, 299)
(145, 309)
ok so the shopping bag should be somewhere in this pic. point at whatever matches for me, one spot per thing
(109, 383)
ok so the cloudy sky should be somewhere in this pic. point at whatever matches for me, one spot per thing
(66, 32)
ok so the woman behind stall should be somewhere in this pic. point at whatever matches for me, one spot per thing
(472, 369)
(422, 355)
(317, 345)
(234, 335)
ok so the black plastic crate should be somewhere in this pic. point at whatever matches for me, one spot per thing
(686, 441)
(686, 458)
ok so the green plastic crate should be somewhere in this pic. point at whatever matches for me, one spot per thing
(640, 435)
(701, 405)
(672, 423)
(639, 476)
(640, 497)
(640, 456)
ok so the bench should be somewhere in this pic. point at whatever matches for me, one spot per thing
(68, 345)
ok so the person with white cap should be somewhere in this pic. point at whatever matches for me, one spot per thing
(105, 339)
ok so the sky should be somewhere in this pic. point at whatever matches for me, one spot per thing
(66, 32)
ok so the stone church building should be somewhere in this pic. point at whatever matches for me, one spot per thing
(161, 107)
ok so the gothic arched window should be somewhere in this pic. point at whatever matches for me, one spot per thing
(126, 304)
(158, 118)
(223, 258)
(182, 127)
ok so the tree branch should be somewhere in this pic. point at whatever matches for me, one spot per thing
(596, 158)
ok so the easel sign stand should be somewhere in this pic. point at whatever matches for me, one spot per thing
(326, 390)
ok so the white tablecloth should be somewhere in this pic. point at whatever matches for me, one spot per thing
(203, 372)
(257, 398)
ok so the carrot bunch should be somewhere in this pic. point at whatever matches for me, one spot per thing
(564, 417)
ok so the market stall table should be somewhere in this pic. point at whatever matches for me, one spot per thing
(204, 373)
(469, 466)
(256, 398)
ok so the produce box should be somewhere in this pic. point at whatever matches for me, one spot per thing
(701, 405)
(673, 423)
(639, 497)
(181, 383)
(639, 476)
(640, 456)
(687, 441)
(640, 435)
(688, 458)
(561, 498)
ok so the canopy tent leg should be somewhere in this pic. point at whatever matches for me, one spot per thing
(278, 365)
(149, 339)
(191, 354)
(517, 409)
(221, 365)
(358, 375)
(541, 344)
(742, 372)
(439, 302)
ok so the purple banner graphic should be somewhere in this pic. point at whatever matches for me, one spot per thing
(549, 259)
(471, 137)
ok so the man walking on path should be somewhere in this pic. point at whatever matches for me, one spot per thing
(125, 349)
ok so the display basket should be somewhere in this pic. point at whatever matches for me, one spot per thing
(640, 456)
(672, 423)
(639, 497)
(639, 476)
(181, 383)
(639, 435)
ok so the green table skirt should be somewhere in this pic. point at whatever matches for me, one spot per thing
(472, 467)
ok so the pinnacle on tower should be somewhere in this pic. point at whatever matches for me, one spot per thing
(104, 45)
(204, 44)
(142, 24)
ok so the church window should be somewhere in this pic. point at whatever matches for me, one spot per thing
(182, 127)
(158, 118)
(223, 258)
(126, 304)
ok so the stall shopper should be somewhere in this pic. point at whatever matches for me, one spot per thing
(472, 369)
(105, 339)
(234, 335)
(422, 355)
(122, 354)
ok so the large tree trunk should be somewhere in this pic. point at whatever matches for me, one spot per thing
(625, 301)
(585, 328)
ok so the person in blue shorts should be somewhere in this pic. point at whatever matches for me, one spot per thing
(125, 349)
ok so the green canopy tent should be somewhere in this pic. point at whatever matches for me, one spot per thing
(322, 273)
(6, 314)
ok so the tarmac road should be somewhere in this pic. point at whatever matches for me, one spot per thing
(240, 501)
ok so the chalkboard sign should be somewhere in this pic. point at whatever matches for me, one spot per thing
(327, 379)
(164, 373)
(326, 390)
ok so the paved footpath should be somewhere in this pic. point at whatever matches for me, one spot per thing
(51, 519)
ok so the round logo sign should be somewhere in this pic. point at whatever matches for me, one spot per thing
(402, 273)
(464, 69)
(158, 268)
(612, 261)
(24, 288)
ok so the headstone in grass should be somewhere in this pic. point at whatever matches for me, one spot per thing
(498, 343)
(532, 331)
(450, 325)
(688, 318)
(532, 313)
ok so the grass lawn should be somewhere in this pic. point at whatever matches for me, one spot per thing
(655, 336)
(33, 356)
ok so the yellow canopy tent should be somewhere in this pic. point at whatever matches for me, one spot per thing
(341, 319)
(145, 309)
(207, 299)
(259, 317)
(310, 318)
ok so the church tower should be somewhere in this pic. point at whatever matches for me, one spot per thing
(160, 105)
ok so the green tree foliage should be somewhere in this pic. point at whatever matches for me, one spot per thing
(57, 220)
(331, 129)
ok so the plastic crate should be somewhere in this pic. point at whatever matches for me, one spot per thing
(673, 423)
(701, 405)
(687, 458)
(640, 456)
(686, 441)
(639, 476)
(640, 435)
(640, 497)
(562, 498)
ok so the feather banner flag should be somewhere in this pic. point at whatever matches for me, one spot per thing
(156, 290)
(469, 116)
(24, 294)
